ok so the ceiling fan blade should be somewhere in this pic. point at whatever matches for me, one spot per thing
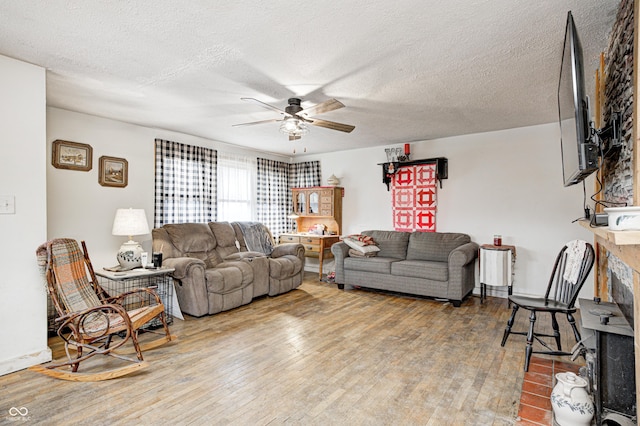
(273, 120)
(267, 106)
(326, 106)
(331, 125)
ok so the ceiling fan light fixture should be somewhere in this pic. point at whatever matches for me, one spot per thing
(294, 127)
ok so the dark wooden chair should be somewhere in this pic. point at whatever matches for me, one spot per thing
(571, 268)
(90, 322)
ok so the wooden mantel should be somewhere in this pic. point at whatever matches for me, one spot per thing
(625, 245)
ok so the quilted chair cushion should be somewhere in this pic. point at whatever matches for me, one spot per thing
(392, 243)
(284, 267)
(434, 246)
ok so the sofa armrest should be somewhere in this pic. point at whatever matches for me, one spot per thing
(294, 249)
(463, 254)
(462, 271)
(190, 284)
(183, 266)
(340, 251)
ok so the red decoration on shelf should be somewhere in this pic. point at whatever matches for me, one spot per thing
(407, 149)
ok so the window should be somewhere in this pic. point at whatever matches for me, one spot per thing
(236, 186)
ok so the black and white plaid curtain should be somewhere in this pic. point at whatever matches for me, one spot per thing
(272, 196)
(186, 183)
(303, 175)
(275, 180)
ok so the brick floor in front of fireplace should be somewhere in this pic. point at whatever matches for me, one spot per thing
(535, 400)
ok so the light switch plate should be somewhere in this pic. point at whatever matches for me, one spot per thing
(7, 204)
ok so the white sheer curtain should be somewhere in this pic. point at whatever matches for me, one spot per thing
(236, 187)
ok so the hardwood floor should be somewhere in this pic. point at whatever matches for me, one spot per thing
(316, 355)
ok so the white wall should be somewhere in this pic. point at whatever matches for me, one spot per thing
(79, 207)
(23, 306)
(506, 182)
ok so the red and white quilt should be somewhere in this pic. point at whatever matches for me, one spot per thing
(415, 198)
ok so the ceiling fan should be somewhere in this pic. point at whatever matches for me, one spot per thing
(296, 118)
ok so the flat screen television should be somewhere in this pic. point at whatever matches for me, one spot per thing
(579, 151)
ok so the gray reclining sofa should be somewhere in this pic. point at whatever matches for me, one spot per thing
(216, 271)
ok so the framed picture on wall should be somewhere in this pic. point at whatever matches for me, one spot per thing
(113, 172)
(71, 155)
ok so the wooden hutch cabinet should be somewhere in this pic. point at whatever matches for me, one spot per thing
(317, 205)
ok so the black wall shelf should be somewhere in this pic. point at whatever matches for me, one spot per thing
(391, 168)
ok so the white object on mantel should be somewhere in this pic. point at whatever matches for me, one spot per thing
(623, 218)
(333, 180)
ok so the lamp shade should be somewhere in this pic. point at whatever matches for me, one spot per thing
(130, 222)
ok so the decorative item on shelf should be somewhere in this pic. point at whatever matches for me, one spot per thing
(130, 222)
(333, 180)
(391, 155)
(395, 155)
(497, 240)
(407, 152)
(571, 404)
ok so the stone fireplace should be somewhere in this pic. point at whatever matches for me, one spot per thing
(610, 367)
(618, 254)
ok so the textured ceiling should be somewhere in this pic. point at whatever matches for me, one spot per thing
(406, 71)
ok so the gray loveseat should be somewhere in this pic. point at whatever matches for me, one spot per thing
(433, 264)
(214, 269)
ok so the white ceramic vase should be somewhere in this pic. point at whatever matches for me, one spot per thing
(571, 403)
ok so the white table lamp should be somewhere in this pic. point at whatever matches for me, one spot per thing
(130, 222)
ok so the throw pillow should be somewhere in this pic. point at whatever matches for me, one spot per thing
(362, 249)
(361, 240)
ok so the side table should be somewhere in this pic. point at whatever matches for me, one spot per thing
(496, 267)
(115, 283)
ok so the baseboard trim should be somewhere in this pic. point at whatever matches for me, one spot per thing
(24, 361)
(493, 291)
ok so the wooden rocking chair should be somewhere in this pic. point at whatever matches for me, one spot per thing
(90, 322)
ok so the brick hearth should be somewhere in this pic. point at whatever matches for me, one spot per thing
(535, 400)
